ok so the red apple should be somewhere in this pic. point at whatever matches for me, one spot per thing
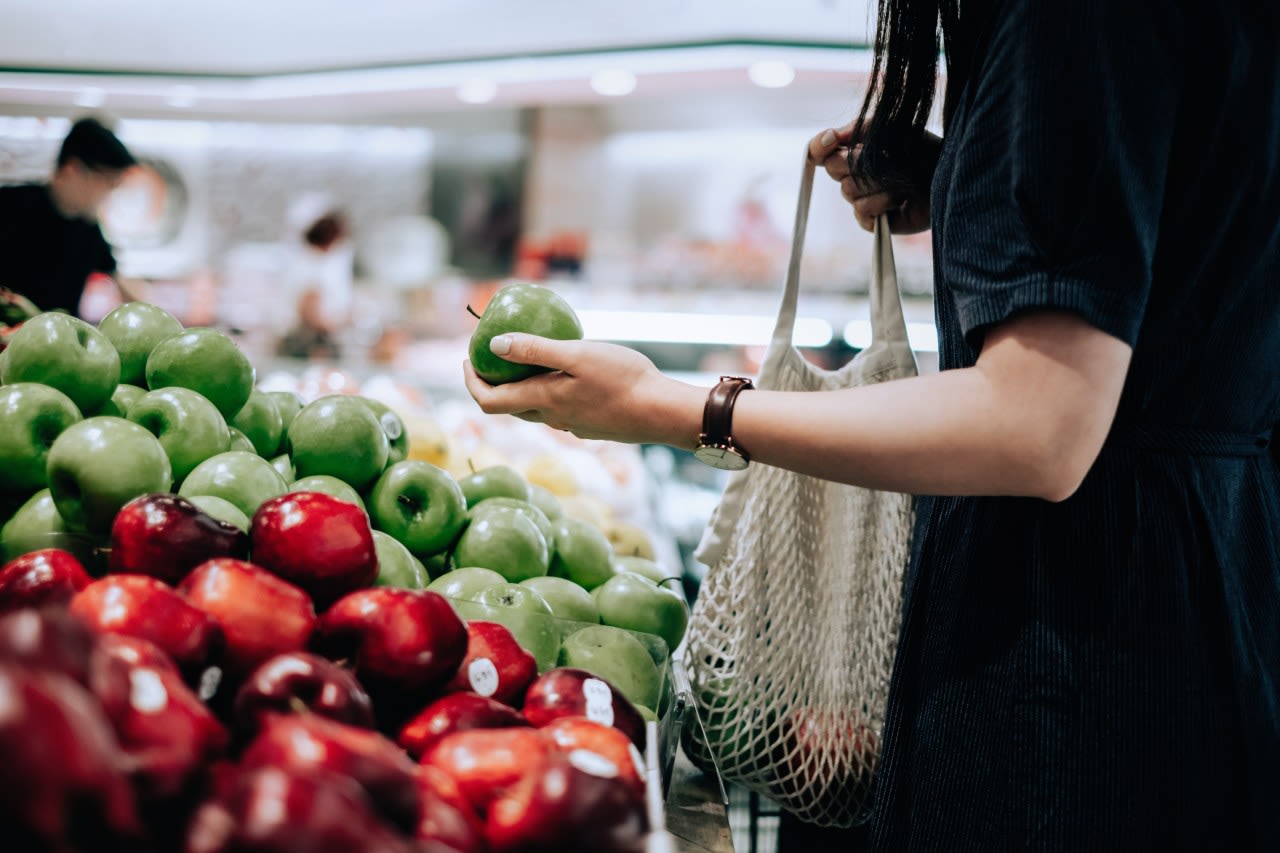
(168, 733)
(260, 615)
(304, 743)
(144, 607)
(571, 692)
(486, 762)
(50, 639)
(573, 734)
(447, 816)
(496, 665)
(135, 651)
(317, 541)
(166, 536)
(50, 576)
(561, 804)
(404, 642)
(834, 749)
(63, 782)
(456, 712)
(279, 810)
(301, 681)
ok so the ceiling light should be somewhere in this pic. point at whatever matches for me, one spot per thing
(613, 82)
(90, 97)
(771, 73)
(922, 336)
(477, 90)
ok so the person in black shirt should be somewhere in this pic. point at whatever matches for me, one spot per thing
(50, 242)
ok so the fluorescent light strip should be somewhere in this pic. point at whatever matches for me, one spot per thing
(923, 336)
(660, 327)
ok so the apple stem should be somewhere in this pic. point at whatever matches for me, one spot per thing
(472, 312)
(672, 578)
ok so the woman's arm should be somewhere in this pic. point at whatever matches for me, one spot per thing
(1028, 419)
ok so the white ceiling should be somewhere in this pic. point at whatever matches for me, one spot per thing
(390, 59)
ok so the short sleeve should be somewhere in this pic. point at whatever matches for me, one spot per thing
(1063, 141)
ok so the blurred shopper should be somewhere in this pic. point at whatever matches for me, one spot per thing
(1090, 648)
(50, 240)
(322, 273)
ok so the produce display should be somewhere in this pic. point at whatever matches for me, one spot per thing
(241, 618)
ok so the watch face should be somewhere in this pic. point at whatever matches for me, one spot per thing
(720, 457)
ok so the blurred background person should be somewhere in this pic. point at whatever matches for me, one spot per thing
(322, 277)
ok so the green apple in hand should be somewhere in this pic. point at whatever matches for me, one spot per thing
(581, 553)
(135, 328)
(32, 416)
(520, 307)
(67, 353)
(505, 540)
(259, 419)
(525, 613)
(396, 566)
(567, 599)
(493, 482)
(204, 360)
(537, 516)
(221, 509)
(338, 435)
(190, 429)
(393, 426)
(637, 603)
(466, 582)
(288, 404)
(241, 478)
(330, 486)
(420, 505)
(100, 464)
(617, 656)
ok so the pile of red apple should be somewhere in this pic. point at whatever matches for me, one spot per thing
(220, 634)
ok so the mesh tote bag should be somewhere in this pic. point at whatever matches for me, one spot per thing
(793, 631)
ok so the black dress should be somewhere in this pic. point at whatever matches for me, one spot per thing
(1103, 673)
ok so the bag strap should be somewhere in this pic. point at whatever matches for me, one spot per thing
(888, 324)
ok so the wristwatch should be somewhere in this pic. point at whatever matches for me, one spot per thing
(715, 445)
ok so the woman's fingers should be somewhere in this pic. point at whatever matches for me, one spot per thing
(531, 349)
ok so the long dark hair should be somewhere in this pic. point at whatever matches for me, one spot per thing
(899, 100)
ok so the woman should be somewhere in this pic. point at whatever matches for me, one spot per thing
(1090, 650)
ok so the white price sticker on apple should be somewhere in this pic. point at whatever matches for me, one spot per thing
(483, 676)
(593, 763)
(599, 699)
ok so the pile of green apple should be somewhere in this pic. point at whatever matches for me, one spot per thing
(92, 418)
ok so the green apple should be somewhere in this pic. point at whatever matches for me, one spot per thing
(190, 429)
(525, 613)
(546, 500)
(330, 486)
(338, 435)
(135, 328)
(32, 416)
(618, 657)
(65, 352)
(100, 464)
(288, 404)
(259, 419)
(393, 426)
(628, 538)
(204, 360)
(651, 569)
(493, 482)
(535, 515)
(505, 540)
(396, 566)
(567, 599)
(419, 504)
(36, 525)
(637, 603)
(437, 564)
(221, 509)
(284, 466)
(4, 366)
(581, 553)
(466, 582)
(520, 307)
(239, 441)
(244, 479)
(122, 398)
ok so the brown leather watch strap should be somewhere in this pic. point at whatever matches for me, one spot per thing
(717, 414)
